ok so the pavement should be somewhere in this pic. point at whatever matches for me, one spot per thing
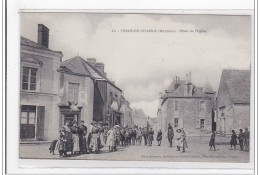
(197, 151)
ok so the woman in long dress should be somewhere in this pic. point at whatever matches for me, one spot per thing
(75, 137)
(111, 139)
(94, 140)
(178, 139)
(183, 140)
(69, 143)
(233, 141)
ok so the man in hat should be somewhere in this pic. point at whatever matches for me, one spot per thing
(170, 134)
(82, 137)
(101, 134)
(241, 139)
(246, 140)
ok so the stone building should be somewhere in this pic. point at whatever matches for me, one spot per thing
(233, 101)
(185, 105)
(152, 123)
(76, 97)
(139, 118)
(127, 111)
(85, 86)
(39, 90)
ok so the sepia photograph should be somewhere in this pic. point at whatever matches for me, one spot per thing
(136, 87)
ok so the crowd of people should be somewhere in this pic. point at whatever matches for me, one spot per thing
(243, 140)
(78, 139)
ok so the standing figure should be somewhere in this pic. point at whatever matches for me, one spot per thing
(94, 140)
(170, 134)
(241, 139)
(178, 139)
(184, 141)
(62, 143)
(233, 141)
(89, 135)
(159, 137)
(212, 141)
(111, 139)
(82, 137)
(133, 136)
(75, 137)
(144, 136)
(246, 140)
(69, 142)
(105, 133)
(101, 134)
(127, 136)
(122, 137)
(139, 137)
(117, 136)
(150, 137)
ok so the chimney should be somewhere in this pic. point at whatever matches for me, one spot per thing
(190, 76)
(187, 79)
(176, 85)
(179, 80)
(100, 67)
(91, 61)
(43, 35)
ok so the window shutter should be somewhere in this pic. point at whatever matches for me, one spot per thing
(197, 123)
(40, 122)
(180, 123)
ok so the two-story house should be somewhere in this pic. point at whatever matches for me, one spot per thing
(188, 107)
(39, 91)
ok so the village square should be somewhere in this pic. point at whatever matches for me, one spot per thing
(70, 109)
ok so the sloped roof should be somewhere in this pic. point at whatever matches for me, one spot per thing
(179, 92)
(75, 65)
(27, 42)
(208, 88)
(139, 113)
(238, 83)
(78, 65)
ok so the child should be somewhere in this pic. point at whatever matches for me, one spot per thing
(159, 137)
(212, 141)
(62, 143)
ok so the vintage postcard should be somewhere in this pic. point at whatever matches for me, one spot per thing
(136, 87)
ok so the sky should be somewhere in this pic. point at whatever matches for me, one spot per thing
(144, 63)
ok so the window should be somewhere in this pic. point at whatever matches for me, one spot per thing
(176, 106)
(202, 106)
(27, 121)
(202, 123)
(73, 92)
(176, 122)
(29, 78)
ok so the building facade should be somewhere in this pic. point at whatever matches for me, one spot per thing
(39, 90)
(188, 107)
(52, 91)
(139, 118)
(233, 101)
